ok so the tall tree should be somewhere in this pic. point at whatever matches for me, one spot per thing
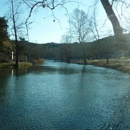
(113, 18)
(79, 25)
(80, 29)
(15, 31)
(17, 24)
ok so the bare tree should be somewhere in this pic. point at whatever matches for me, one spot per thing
(79, 25)
(17, 24)
(13, 14)
(66, 38)
(49, 4)
(108, 49)
(80, 28)
(96, 27)
(107, 4)
(66, 47)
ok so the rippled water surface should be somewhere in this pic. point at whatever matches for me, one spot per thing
(60, 96)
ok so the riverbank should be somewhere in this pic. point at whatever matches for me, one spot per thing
(12, 64)
(21, 64)
(121, 65)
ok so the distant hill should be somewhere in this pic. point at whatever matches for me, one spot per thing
(106, 46)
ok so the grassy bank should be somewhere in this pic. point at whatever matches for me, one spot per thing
(121, 65)
(11, 64)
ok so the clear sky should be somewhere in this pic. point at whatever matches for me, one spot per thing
(44, 29)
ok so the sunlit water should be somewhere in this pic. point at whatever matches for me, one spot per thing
(60, 96)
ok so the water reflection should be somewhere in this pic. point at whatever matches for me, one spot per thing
(64, 96)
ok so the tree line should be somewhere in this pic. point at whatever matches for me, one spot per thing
(105, 48)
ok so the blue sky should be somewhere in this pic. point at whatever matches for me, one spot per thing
(44, 30)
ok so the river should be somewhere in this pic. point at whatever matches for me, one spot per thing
(61, 96)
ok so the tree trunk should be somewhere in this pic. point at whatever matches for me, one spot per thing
(15, 33)
(107, 61)
(113, 18)
(85, 62)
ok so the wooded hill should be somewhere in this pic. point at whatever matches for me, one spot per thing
(104, 48)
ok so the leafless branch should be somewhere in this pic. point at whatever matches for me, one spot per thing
(30, 13)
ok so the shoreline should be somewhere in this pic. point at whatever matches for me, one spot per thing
(119, 65)
(12, 64)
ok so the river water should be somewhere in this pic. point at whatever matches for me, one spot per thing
(60, 96)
